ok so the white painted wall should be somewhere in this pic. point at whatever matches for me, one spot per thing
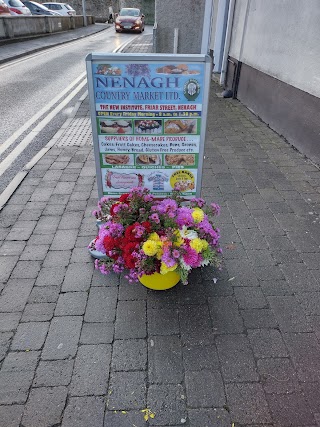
(280, 38)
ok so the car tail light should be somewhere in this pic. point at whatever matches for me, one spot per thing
(16, 10)
(70, 13)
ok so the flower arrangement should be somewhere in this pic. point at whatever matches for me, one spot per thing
(146, 235)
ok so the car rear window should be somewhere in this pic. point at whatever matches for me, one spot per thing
(129, 12)
(15, 3)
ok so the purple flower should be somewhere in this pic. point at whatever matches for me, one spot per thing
(184, 217)
(167, 259)
(155, 217)
(176, 253)
(215, 209)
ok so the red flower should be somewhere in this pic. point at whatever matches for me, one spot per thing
(112, 208)
(129, 247)
(130, 233)
(123, 197)
(130, 261)
(147, 226)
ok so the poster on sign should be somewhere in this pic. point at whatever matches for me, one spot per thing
(148, 121)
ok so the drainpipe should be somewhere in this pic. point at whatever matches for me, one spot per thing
(220, 35)
(207, 26)
(227, 43)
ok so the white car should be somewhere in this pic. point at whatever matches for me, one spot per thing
(63, 9)
(17, 8)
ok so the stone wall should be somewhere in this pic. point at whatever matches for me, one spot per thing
(189, 20)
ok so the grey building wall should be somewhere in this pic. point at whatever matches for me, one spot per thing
(188, 16)
(281, 39)
(275, 67)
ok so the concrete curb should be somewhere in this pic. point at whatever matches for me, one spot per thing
(39, 49)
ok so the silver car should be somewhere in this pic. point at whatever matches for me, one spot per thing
(16, 7)
(63, 9)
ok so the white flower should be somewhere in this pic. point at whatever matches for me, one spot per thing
(188, 234)
(184, 265)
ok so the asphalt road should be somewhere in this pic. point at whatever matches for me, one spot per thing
(37, 94)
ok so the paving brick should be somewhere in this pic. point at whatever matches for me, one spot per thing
(129, 355)
(71, 304)
(9, 321)
(225, 315)
(38, 312)
(250, 297)
(289, 314)
(44, 407)
(304, 350)
(91, 370)
(21, 361)
(47, 224)
(21, 230)
(64, 239)
(81, 255)
(57, 258)
(310, 302)
(64, 188)
(165, 359)
(14, 386)
(261, 257)
(168, 403)
(15, 295)
(131, 291)
(10, 416)
(7, 264)
(101, 305)
(26, 270)
(30, 336)
(120, 419)
(12, 248)
(84, 412)
(269, 273)
(297, 411)
(197, 358)
(267, 343)
(163, 321)
(34, 253)
(78, 277)
(41, 239)
(5, 338)
(53, 373)
(97, 333)
(127, 390)
(195, 324)
(278, 376)
(216, 417)
(130, 320)
(276, 287)
(253, 239)
(236, 358)
(50, 276)
(110, 279)
(260, 318)
(247, 404)
(63, 337)
(204, 389)
(43, 294)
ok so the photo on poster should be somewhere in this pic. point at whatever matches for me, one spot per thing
(115, 126)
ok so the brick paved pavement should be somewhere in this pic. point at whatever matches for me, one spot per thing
(82, 350)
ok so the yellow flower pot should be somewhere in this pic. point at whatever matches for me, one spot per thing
(160, 282)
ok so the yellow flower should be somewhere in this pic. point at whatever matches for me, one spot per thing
(179, 240)
(159, 253)
(150, 247)
(165, 269)
(197, 215)
(155, 237)
(196, 244)
(199, 245)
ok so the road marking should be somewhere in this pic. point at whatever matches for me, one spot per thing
(6, 163)
(12, 139)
